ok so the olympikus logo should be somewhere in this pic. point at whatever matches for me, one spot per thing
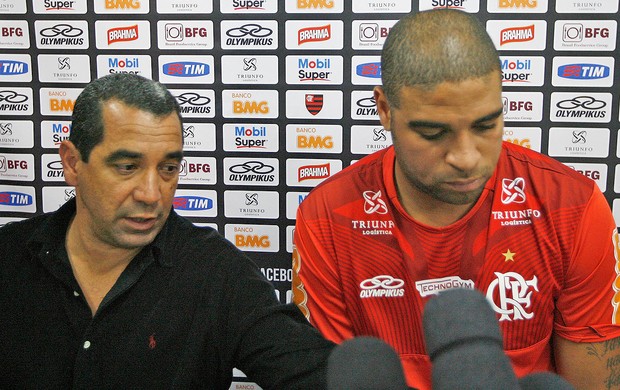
(314, 34)
(310, 172)
(517, 34)
(122, 34)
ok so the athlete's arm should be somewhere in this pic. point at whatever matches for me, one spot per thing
(316, 285)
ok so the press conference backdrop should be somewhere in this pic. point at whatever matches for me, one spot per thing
(277, 96)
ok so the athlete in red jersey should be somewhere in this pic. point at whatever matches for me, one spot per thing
(451, 205)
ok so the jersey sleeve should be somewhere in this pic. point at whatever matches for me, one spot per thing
(316, 284)
(587, 307)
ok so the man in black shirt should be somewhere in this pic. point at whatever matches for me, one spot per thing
(115, 290)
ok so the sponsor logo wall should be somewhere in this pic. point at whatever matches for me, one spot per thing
(277, 96)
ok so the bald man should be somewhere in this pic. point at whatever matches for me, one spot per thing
(450, 204)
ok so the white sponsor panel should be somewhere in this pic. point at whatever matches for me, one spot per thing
(250, 69)
(578, 142)
(17, 167)
(18, 198)
(523, 71)
(364, 106)
(471, 6)
(195, 203)
(198, 170)
(251, 171)
(16, 134)
(596, 172)
(54, 132)
(370, 34)
(586, 107)
(12, 7)
(583, 71)
(195, 103)
(585, 35)
(245, 103)
(59, 6)
(250, 137)
(176, 69)
(199, 137)
(58, 101)
(64, 68)
(314, 104)
(314, 70)
(314, 34)
(305, 138)
(518, 34)
(16, 101)
(517, 6)
(314, 6)
(310, 172)
(290, 234)
(366, 70)
(5, 220)
(293, 200)
(14, 34)
(54, 197)
(122, 34)
(523, 106)
(185, 34)
(249, 6)
(249, 34)
(528, 137)
(124, 63)
(61, 34)
(121, 6)
(253, 238)
(252, 204)
(372, 6)
(15, 68)
(369, 139)
(616, 209)
(587, 7)
(184, 7)
(51, 168)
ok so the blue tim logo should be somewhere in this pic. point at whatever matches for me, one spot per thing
(192, 203)
(583, 71)
(370, 69)
(9, 67)
(186, 69)
(9, 198)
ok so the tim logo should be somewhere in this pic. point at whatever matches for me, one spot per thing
(314, 4)
(122, 4)
(8, 68)
(513, 191)
(583, 71)
(186, 69)
(314, 34)
(514, 294)
(373, 204)
(192, 203)
(10, 198)
(314, 103)
(371, 70)
(122, 34)
(516, 34)
(313, 172)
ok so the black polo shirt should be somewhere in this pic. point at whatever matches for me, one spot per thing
(186, 310)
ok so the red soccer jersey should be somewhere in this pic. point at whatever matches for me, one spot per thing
(540, 243)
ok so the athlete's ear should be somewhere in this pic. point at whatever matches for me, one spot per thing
(71, 158)
(383, 107)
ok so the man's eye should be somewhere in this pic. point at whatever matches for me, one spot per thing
(171, 168)
(433, 136)
(126, 168)
(485, 127)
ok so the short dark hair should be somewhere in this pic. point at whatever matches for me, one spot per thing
(427, 48)
(129, 89)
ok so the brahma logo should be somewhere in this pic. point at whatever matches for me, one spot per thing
(192, 203)
(313, 172)
(314, 34)
(516, 34)
(122, 34)
(9, 67)
(583, 71)
(382, 286)
(186, 69)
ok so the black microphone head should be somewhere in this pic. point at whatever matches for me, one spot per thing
(464, 343)
(544, 381)
(364, 363)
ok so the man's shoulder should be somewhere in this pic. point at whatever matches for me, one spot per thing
(21, 230)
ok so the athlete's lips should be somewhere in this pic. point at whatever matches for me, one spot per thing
(466, 185)
(143, 223)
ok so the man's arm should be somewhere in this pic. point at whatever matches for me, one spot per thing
(589, 365)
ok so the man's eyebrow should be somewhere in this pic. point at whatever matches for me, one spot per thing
(178, 155)
(491, 116)
(427, 124)
(122, 154)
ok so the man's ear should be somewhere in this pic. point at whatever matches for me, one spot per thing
(383, 107)
(70, 157)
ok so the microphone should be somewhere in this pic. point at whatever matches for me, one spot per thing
(364, 363)
(464, 343)
(544, 381)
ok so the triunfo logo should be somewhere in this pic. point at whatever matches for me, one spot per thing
(253, 238)
(251, 204)
(513, 190)
(123, 34)
(517, 34)
(382, 286)
(314, 34)
(578, 142)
